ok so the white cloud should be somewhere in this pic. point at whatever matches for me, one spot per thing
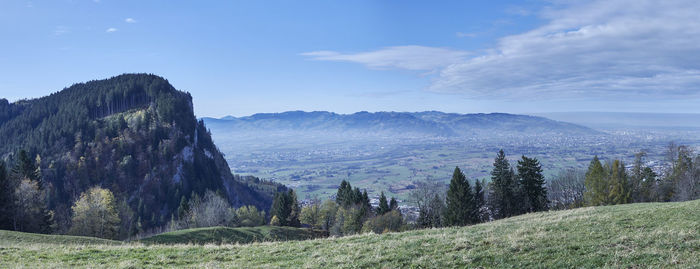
(111, 30)
(622, 48)
(592, 49)
(130, 20)
(417, 58)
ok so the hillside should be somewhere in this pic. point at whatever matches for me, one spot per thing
(635, 235)
(20, 238)
(134, 134)
(240, 235)
(429, 123)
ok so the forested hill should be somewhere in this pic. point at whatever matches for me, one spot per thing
(422, 124)
(134, 134)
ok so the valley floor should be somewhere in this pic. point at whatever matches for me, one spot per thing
(636, 235)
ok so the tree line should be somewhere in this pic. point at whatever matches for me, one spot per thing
(512, 190)
(509, 193)
(612, 182)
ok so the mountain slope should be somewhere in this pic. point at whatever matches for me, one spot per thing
(134, 134)
(430, 123)
(653, 235)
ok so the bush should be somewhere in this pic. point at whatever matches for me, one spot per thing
(389, 222)
(249, 216)
(212, 210)
(95, 214)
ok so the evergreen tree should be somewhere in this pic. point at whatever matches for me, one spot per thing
(24, 168)
(596, 184)
(344, 195)
(460, 201)
(532, 184)
(182, 208)
(280, 207)
(393, 204)
(356, 196)
(502, 197)
(619, 185)
(383, 205)
(294, 210)
(6, 199)
(479, 201)
(365, 199)
(286, 207)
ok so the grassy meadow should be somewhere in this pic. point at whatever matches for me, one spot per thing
(649, 235)
(240, 235)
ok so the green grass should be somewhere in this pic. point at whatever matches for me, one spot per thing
(19, 238)
(226, 235)
(652, 235)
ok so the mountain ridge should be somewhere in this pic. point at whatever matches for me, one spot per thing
(430, 123)
(134, 134)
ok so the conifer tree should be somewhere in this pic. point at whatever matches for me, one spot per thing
(280, 208)
(356, 197)
(6, 199)
(383, 205)
(286, 207)
(393, 204)
(479, 201)
(294, 209)
(532, 184)
(24, 168)
(344, 195)
(619, 185)
(596, 184)
(365, 200)
(502, 197)
(460, 201)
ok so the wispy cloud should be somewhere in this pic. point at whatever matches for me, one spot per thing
(111, 30)
(591, 49)
(130, 20)
(619, 48)
(417, 58)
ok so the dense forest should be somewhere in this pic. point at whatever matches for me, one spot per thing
(134, 135)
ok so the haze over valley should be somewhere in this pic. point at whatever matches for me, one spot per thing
(391, 151)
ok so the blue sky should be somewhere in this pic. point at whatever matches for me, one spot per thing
(243, 57)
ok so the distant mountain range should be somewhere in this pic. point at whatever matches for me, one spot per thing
(428, 123)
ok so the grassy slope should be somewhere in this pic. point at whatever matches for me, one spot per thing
(637, 235)
(18, 238)
(225, 235)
